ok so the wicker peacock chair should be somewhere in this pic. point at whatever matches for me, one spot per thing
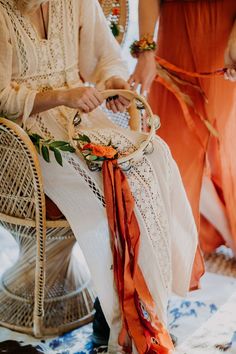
(117, 13)
(38, 295)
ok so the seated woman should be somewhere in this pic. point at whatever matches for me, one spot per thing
(47, 50)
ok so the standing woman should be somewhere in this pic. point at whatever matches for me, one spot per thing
(47, 50)
(197, 37)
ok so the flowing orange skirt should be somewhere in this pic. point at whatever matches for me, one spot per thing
(193, 35)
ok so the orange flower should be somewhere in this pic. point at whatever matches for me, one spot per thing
(87, 146)
(101, 151)
(115, 11)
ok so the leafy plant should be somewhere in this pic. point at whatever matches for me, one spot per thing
(44, 147)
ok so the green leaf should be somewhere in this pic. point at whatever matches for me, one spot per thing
(58, 143)
(58, 157)
(115, 29)
(83, 137)
(68, 148)
(35, 138)
(45, 153)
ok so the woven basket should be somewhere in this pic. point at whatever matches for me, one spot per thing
(37, 296)
(121, 19)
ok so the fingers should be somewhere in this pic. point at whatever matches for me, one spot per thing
(124, 101)
(144, 83)
(117, 104)
(90, 100)
(146, 87)
(133, 82)
(230, 75)
(98, 96)
(84, 108)
(114, 105)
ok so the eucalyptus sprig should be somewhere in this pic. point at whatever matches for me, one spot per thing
(44, 147)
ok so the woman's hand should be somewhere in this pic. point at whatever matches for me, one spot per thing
(230, 63)
(144, 73)
(118, 103)
(85, 99)
(230, 56)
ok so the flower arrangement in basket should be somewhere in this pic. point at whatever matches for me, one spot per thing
(95, 154)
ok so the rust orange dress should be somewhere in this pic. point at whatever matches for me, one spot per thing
(193, 35)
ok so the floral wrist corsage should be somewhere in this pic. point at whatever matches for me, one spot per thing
(146, 43)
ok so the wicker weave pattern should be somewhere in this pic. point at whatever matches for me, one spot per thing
(34, 298)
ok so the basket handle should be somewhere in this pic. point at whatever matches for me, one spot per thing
(129, 95)
(154, 123)
(135, 121)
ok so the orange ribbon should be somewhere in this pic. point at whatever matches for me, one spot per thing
(167, 76)
(140, 321)
(166, 64)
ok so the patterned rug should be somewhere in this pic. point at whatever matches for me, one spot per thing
(217, 335)
(204, 322)
(186, 316)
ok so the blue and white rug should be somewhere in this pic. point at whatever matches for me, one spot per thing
(186, 316)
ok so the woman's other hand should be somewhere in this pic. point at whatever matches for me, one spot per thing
(144, 73)
(118, 103)
(230, 56)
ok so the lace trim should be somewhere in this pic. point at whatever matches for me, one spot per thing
(147, 194)
(87, 178)
(51, 66)
(51, 80)
(10, 10)
(144, 186)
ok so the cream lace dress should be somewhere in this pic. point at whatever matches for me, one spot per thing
(80, 45)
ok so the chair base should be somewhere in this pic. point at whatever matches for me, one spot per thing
(68, 294)
(60, 316)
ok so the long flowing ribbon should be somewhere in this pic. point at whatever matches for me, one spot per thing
(167, 75)
(140, 322)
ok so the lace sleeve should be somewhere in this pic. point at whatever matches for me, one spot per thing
(15, 100)
(99, 53)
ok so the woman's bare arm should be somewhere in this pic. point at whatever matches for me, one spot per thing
(149, 11)
(85, 99)
(145, 71)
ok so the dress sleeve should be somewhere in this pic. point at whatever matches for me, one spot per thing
(99, 52)
(15, 100)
